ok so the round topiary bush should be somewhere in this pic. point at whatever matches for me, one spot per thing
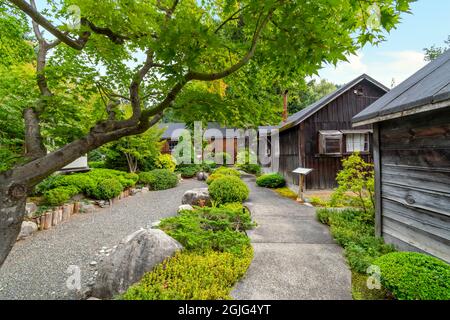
(414, 276)
(271, 180)
(228, 189)
(107, 189)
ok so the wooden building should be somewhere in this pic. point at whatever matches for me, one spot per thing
(412, 160)
(220, 138)
(319, 136)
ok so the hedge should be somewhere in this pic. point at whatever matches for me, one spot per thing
(414, 276)
(107, 189)
(271, 180)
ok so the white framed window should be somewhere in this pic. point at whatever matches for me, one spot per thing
(330, 142)
(357, 141)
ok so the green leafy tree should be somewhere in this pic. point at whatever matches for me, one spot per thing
(434, 51)
(145, 52)
(357, 177)
(137, 149)
(304, 95)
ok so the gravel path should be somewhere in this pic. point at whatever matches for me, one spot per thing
(37, 267)
(295, 256)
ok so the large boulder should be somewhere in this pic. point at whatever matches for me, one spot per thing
(137, 254)
(27, 229)
(197, 197)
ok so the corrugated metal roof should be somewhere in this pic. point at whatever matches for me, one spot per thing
(302, 115)
(427, 87)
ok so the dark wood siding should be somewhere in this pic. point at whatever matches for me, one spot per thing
(415, 182)
(336, 115)
(289, 154)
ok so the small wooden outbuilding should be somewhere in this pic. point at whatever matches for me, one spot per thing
(412, 160)
(321, 135)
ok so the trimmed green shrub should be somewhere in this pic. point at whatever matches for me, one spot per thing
(81, 181)
(60, 195)
(97, 164)
(227, 172)
(159, 179)
(414, 276)
(219, 229)
(189, 171)
(213, 177)
(166, 161)
(228, 189)
(271, 180)
(108, 189)
(251, 168)
(47, 184)
(193, 276)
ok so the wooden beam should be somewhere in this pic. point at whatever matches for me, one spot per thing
(377, 168)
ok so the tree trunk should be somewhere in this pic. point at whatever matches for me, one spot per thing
(12, 210)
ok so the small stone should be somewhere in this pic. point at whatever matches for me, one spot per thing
(93, 263)
(156, 224)
(27, 229)
(104, 248)
(145, 190)
(30, 208)
(185, 207)
(93, 298)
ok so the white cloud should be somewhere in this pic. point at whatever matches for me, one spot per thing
(383, 66)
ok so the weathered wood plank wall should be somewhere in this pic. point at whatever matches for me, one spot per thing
(337, 115)
(415, 182)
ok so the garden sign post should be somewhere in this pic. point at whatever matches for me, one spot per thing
(303, 172)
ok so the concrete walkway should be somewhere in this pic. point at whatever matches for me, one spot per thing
(295, 256)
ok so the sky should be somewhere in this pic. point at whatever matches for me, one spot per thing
(401, 55)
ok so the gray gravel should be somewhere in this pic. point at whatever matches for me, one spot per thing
(37, 267)
(295, 256)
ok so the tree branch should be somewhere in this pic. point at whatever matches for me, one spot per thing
(232, 17)
(42, 21)
(192, 75)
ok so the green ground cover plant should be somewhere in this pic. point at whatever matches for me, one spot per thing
(216, 254)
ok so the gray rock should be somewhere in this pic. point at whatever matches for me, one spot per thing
(27, 229)
(155, 224)
(145, 189)
(197, 197)
(102, 203)
(87, 207)
(202, 176)
(31, 208)
(93, 263)
(185, 207)
(137, 254)
(135, 191)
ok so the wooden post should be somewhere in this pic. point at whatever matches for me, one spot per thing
(300, 197)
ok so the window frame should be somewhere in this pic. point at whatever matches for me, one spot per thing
(325, 135)
(367, 140)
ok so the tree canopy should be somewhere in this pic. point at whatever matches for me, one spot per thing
(434, 51)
